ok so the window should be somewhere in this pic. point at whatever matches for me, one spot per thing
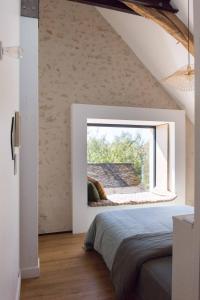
(122, 157)
(172, 157)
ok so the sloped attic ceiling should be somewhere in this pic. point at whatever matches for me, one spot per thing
(159, 51)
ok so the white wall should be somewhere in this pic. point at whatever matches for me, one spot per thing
(183, 276)
(197, 148)
(9, 184)
(159, 51)
(192, 275)
(29, 149)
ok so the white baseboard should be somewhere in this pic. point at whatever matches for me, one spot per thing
(31, 272)
(18, 288)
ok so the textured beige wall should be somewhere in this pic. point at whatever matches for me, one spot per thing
(82, 60)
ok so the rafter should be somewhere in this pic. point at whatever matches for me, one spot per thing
(168, 21)
(120, 6)
(157, 4)
(112, 4)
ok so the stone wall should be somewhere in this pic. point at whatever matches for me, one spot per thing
(81, 60)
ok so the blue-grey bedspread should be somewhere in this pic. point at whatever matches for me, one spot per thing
(131, 255)
(109, 229)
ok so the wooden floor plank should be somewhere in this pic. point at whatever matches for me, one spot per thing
(68, 272)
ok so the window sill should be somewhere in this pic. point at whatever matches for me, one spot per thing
(135, 199)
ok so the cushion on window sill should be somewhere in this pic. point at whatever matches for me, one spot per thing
(99, 188)
(93, 195)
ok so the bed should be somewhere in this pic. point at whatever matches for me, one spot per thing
(136, 246)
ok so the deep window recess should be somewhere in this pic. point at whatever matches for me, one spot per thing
(122, 157)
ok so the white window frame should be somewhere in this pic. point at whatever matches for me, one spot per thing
(81, 113)
(163, 173)
(152, 148)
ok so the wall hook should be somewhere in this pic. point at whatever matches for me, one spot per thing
(15, 52)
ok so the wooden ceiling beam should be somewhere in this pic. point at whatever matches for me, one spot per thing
(113, 4)
(120, 6)
(168, 21)
(157, 4)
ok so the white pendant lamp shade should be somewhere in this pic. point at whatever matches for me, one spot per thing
(183, 79)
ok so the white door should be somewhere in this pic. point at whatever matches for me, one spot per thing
(9, 183)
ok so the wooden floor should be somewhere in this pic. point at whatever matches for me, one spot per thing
(68, 272)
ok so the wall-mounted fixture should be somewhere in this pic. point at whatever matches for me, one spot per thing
(15, 140)
(15, 52)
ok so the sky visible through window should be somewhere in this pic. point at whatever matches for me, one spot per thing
(111, 132)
